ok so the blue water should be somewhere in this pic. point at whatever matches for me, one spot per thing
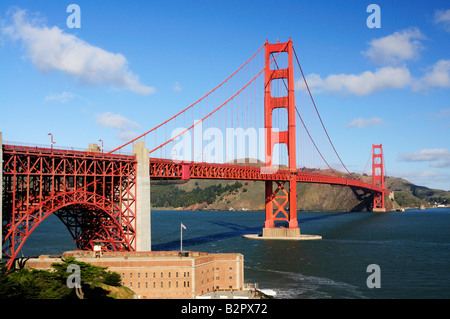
(412, 250)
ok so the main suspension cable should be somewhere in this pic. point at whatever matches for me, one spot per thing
(317, 111)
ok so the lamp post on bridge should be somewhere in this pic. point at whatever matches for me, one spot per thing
(51, 145)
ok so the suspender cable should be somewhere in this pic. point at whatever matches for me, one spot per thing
(312, 99)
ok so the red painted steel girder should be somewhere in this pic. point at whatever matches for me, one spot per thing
(167, 169)
(94, 194)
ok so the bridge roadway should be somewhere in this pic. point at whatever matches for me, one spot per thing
(169, 169)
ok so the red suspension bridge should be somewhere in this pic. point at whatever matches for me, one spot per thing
(259, 124)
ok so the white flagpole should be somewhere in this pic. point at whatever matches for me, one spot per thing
(181, 237)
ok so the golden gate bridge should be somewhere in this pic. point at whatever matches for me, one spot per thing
(259, 124)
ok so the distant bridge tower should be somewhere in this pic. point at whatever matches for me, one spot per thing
(378, 177)
(281, 197)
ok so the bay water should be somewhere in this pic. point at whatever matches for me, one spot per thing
(411, 249)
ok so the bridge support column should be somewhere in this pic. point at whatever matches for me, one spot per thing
(281, 201)
(93, 148)
(143, 208)
(293, 223)
(286, 197)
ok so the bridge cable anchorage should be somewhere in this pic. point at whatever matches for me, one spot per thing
(320, 118)
(190, 106)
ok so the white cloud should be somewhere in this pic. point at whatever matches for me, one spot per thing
(124, 126)
(389, 51)
(395, 48)
(438, 157)
(441, 164)
(442, 19)
(442, 114)
(117, 121)
(360, 122)
(61, 97)
(384, 78)
(426, 178)
(177, 87)
(361, 84)
(52, 49)
(438, 76)
(127, 135)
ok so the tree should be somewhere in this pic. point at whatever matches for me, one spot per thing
(112, 279)
(52, 284)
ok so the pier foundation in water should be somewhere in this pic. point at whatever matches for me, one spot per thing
(282, 233)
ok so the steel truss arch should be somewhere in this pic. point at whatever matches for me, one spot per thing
(100, 219)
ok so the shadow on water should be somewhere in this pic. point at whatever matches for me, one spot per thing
(305, 220)
(236, 230)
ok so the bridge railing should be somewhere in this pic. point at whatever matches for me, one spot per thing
(9, 145)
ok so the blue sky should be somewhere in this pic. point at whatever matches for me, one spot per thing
(388, 85)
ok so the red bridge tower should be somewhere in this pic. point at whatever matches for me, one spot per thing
(378, 177)
(281, 197)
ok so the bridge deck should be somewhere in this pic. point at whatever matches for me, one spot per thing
(38, 150)
(169, 169)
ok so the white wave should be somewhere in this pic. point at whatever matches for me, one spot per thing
(303, 286)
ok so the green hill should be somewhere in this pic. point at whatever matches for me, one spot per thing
(407, 194)
(249, 195)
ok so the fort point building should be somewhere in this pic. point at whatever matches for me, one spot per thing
(163, 274)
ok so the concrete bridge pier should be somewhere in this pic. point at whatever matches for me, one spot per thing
(143, 208)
